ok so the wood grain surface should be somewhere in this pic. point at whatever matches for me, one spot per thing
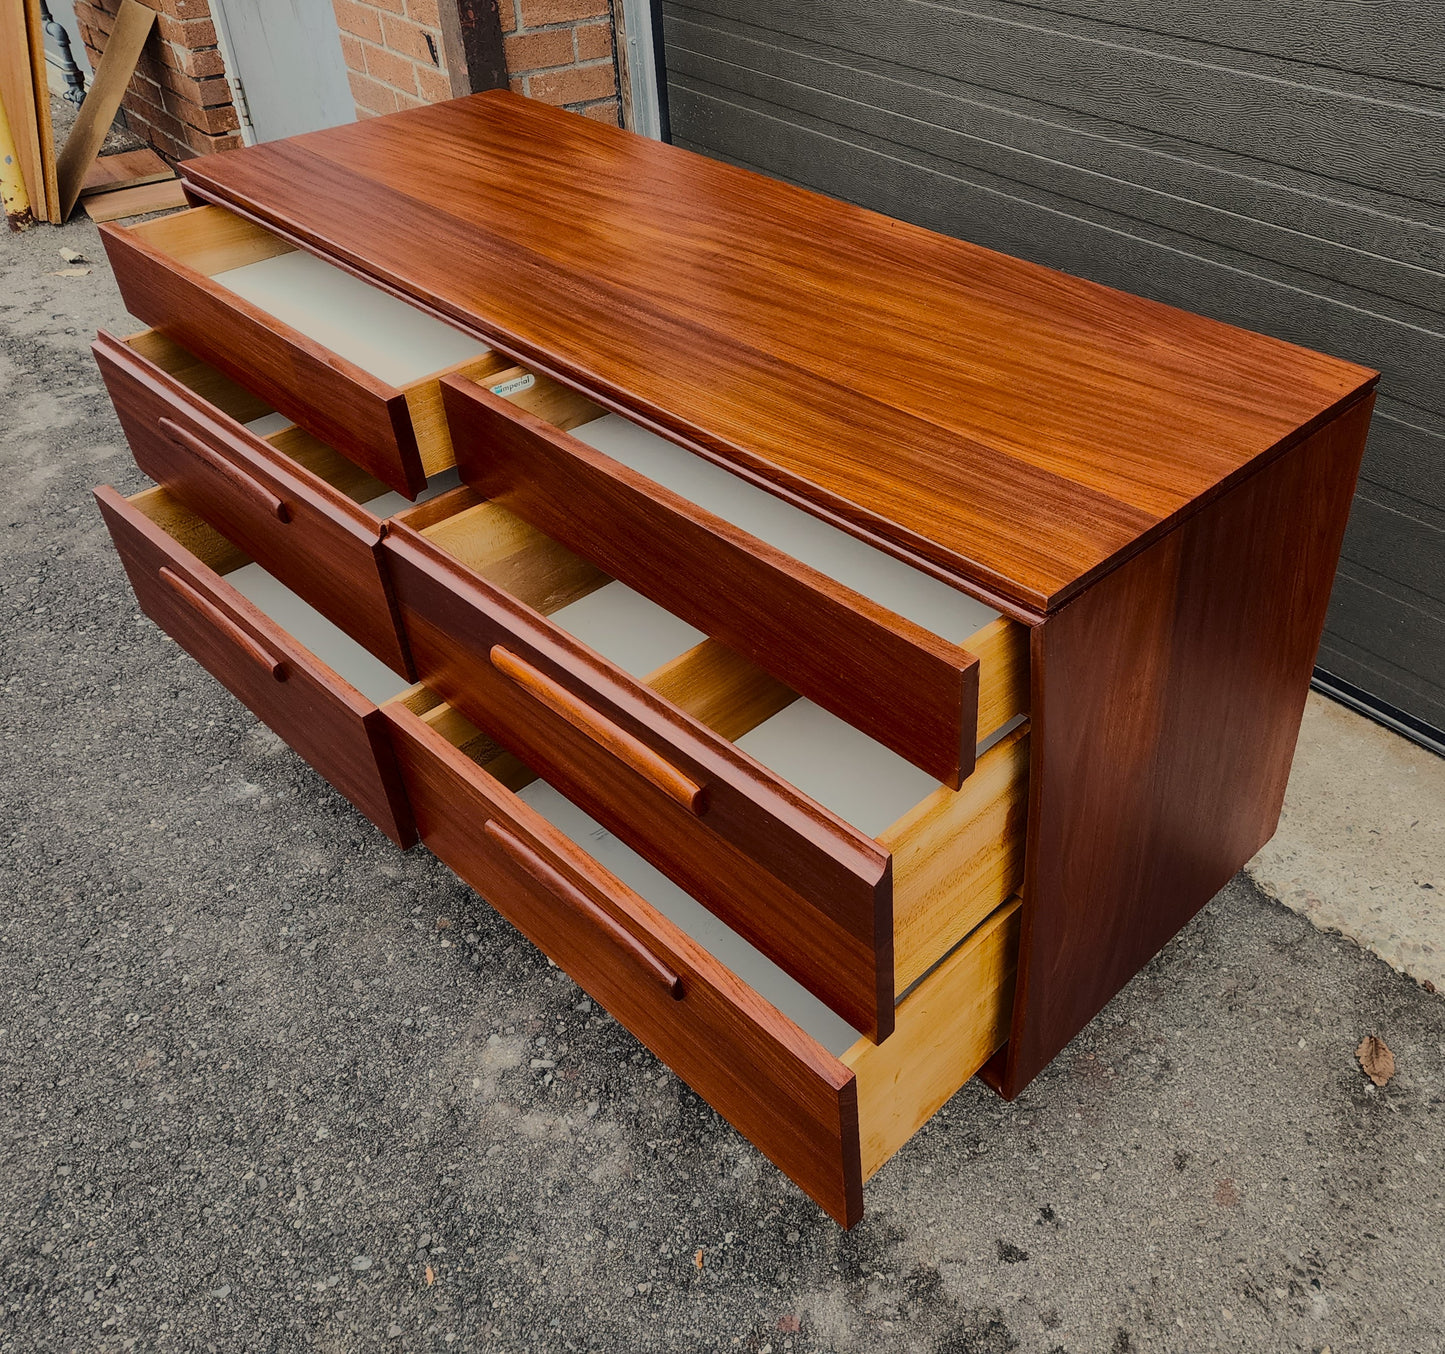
(775, 1084)
(948, 1026)
(125, 169)
(159, 196)
(1016, 427)
(811, 892)
(1166, 705)
(328, 548)
(899, 683)
(957, 855)
(328, 722)
(330, 397)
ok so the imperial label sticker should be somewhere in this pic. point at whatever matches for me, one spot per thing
(517, 384)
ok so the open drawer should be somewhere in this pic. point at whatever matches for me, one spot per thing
(298, 508)
(827, 1106)
(349, 362)
(846, 865)
(239, 623)
(876, 641)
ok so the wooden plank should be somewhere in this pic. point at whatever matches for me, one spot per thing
(1166, 705)
(899, 683)
(812, 893)
(956, 856)
(102, 100)
(149, 197)
(947, 1028)
(126, 169)
(755, 1067)
(1002, 650)
(1021, 430)
(326, 463)
(193, 534)
(35, 31)
(24, 102)
(549, 400)
(472, 46)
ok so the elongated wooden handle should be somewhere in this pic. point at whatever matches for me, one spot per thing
(556, 883)
(203, 605)
(627, 749)
(247, 484)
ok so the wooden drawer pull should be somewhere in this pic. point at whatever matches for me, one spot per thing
(632, 751)
(546, 874)
(202, 604)
(247, 484)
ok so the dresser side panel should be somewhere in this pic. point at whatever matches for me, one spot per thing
(1167, 700)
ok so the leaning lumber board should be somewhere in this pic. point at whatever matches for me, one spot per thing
(117, 64)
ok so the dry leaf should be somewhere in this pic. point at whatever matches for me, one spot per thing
(1377, 1060)
(443, 923)
(71, 256)
(697, 1259)
(431, 1277)
(70, 272)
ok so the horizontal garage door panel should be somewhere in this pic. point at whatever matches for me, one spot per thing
(1318, 32)
(1372, 246)
(1204, 96)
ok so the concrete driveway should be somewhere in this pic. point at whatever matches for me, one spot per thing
(267, 1082)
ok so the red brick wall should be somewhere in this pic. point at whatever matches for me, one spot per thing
(393, 51)
(178, 98)
(559, 51)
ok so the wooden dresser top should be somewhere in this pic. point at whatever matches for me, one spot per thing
(1018, 428)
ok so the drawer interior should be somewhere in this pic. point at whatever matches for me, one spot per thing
(909, 592)
(324, 639)
(394, 341)
(248, 409)
(957, 853)
(949, 1022)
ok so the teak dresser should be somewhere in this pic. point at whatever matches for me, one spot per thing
(849, 653)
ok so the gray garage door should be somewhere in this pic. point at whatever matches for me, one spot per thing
(1280, 166)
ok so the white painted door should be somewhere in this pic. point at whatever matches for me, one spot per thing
(286, 56)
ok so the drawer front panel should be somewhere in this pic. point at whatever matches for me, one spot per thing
(778, 1087)
(810, 892)
(337, 730)
(291, 522)
(331, 398)
(911, 690)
